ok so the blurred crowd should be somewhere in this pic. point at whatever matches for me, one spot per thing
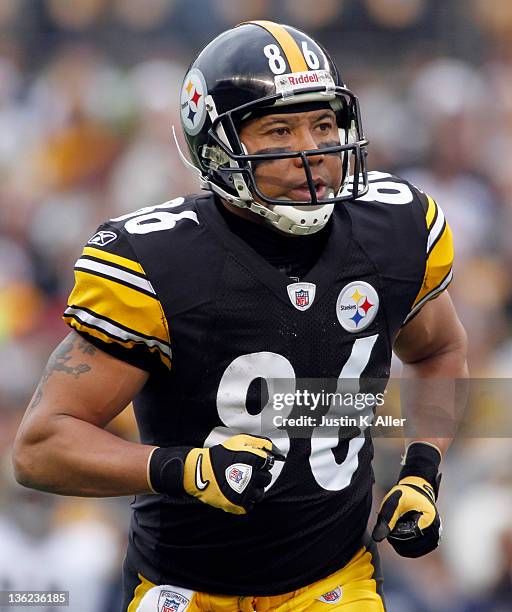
(88, 95)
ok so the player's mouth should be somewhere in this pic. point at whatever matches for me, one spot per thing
(302, 192)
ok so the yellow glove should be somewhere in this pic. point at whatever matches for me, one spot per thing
(408, 516)
(231, 476)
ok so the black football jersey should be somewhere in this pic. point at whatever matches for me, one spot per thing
(171, 289)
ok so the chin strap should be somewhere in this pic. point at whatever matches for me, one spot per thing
(277, 220)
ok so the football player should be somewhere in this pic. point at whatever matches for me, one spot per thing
(294, 262)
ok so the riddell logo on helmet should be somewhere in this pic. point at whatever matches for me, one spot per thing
(311, 77)
(299, 80)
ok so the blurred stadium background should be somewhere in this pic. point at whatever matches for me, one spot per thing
(88, 92)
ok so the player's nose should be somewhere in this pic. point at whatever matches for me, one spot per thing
(306, 142)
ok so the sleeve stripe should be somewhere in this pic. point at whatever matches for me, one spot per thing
(114, 331)
(431, 211)
(94, 315)
(114, 265)
(438, 237)
(100, 335)
(120, 303)
(441, 287)
(437, 229)
(126, 278)
(115, 259)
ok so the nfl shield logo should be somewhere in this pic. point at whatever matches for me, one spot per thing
(171, 601)
(236, 475)
(331, 597)
(171, 605)
(302, 298)
(301, 295)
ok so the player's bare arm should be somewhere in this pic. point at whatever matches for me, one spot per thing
(433, 345)
(62, 446)
(433, 348)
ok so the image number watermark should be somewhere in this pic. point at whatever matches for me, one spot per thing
(46, 599)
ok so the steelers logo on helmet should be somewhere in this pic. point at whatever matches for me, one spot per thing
(356, 306)
(192, 102)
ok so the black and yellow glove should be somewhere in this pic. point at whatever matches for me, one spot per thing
(408, 516)
(231, 476)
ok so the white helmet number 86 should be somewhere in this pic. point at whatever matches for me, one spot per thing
(277, 62)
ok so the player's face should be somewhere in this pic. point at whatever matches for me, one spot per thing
(286, 178)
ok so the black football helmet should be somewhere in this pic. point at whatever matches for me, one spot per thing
(262, 67)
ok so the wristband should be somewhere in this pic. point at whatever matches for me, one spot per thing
(422, 459)
(166, 469)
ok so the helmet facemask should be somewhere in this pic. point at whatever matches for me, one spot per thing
(233, 170)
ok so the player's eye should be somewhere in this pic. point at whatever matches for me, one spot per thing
(325, 126)
(279, 131)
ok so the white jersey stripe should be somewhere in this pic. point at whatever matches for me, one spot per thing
(437, 228)
(114, 330)
(116, 273)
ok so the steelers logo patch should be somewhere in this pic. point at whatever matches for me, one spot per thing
(357, 306)
(192, 102)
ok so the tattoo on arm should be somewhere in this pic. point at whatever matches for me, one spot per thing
(59, 362)
(86, 347)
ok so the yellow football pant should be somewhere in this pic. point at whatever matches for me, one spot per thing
(351, 589)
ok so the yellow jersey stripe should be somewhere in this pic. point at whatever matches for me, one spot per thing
(431, 211)
(287, 43)
(439, 264)
(441, 254)
(117, 259)
(96, 333)
(131, 308)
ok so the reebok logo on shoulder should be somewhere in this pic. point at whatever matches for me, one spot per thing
(102, 238)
